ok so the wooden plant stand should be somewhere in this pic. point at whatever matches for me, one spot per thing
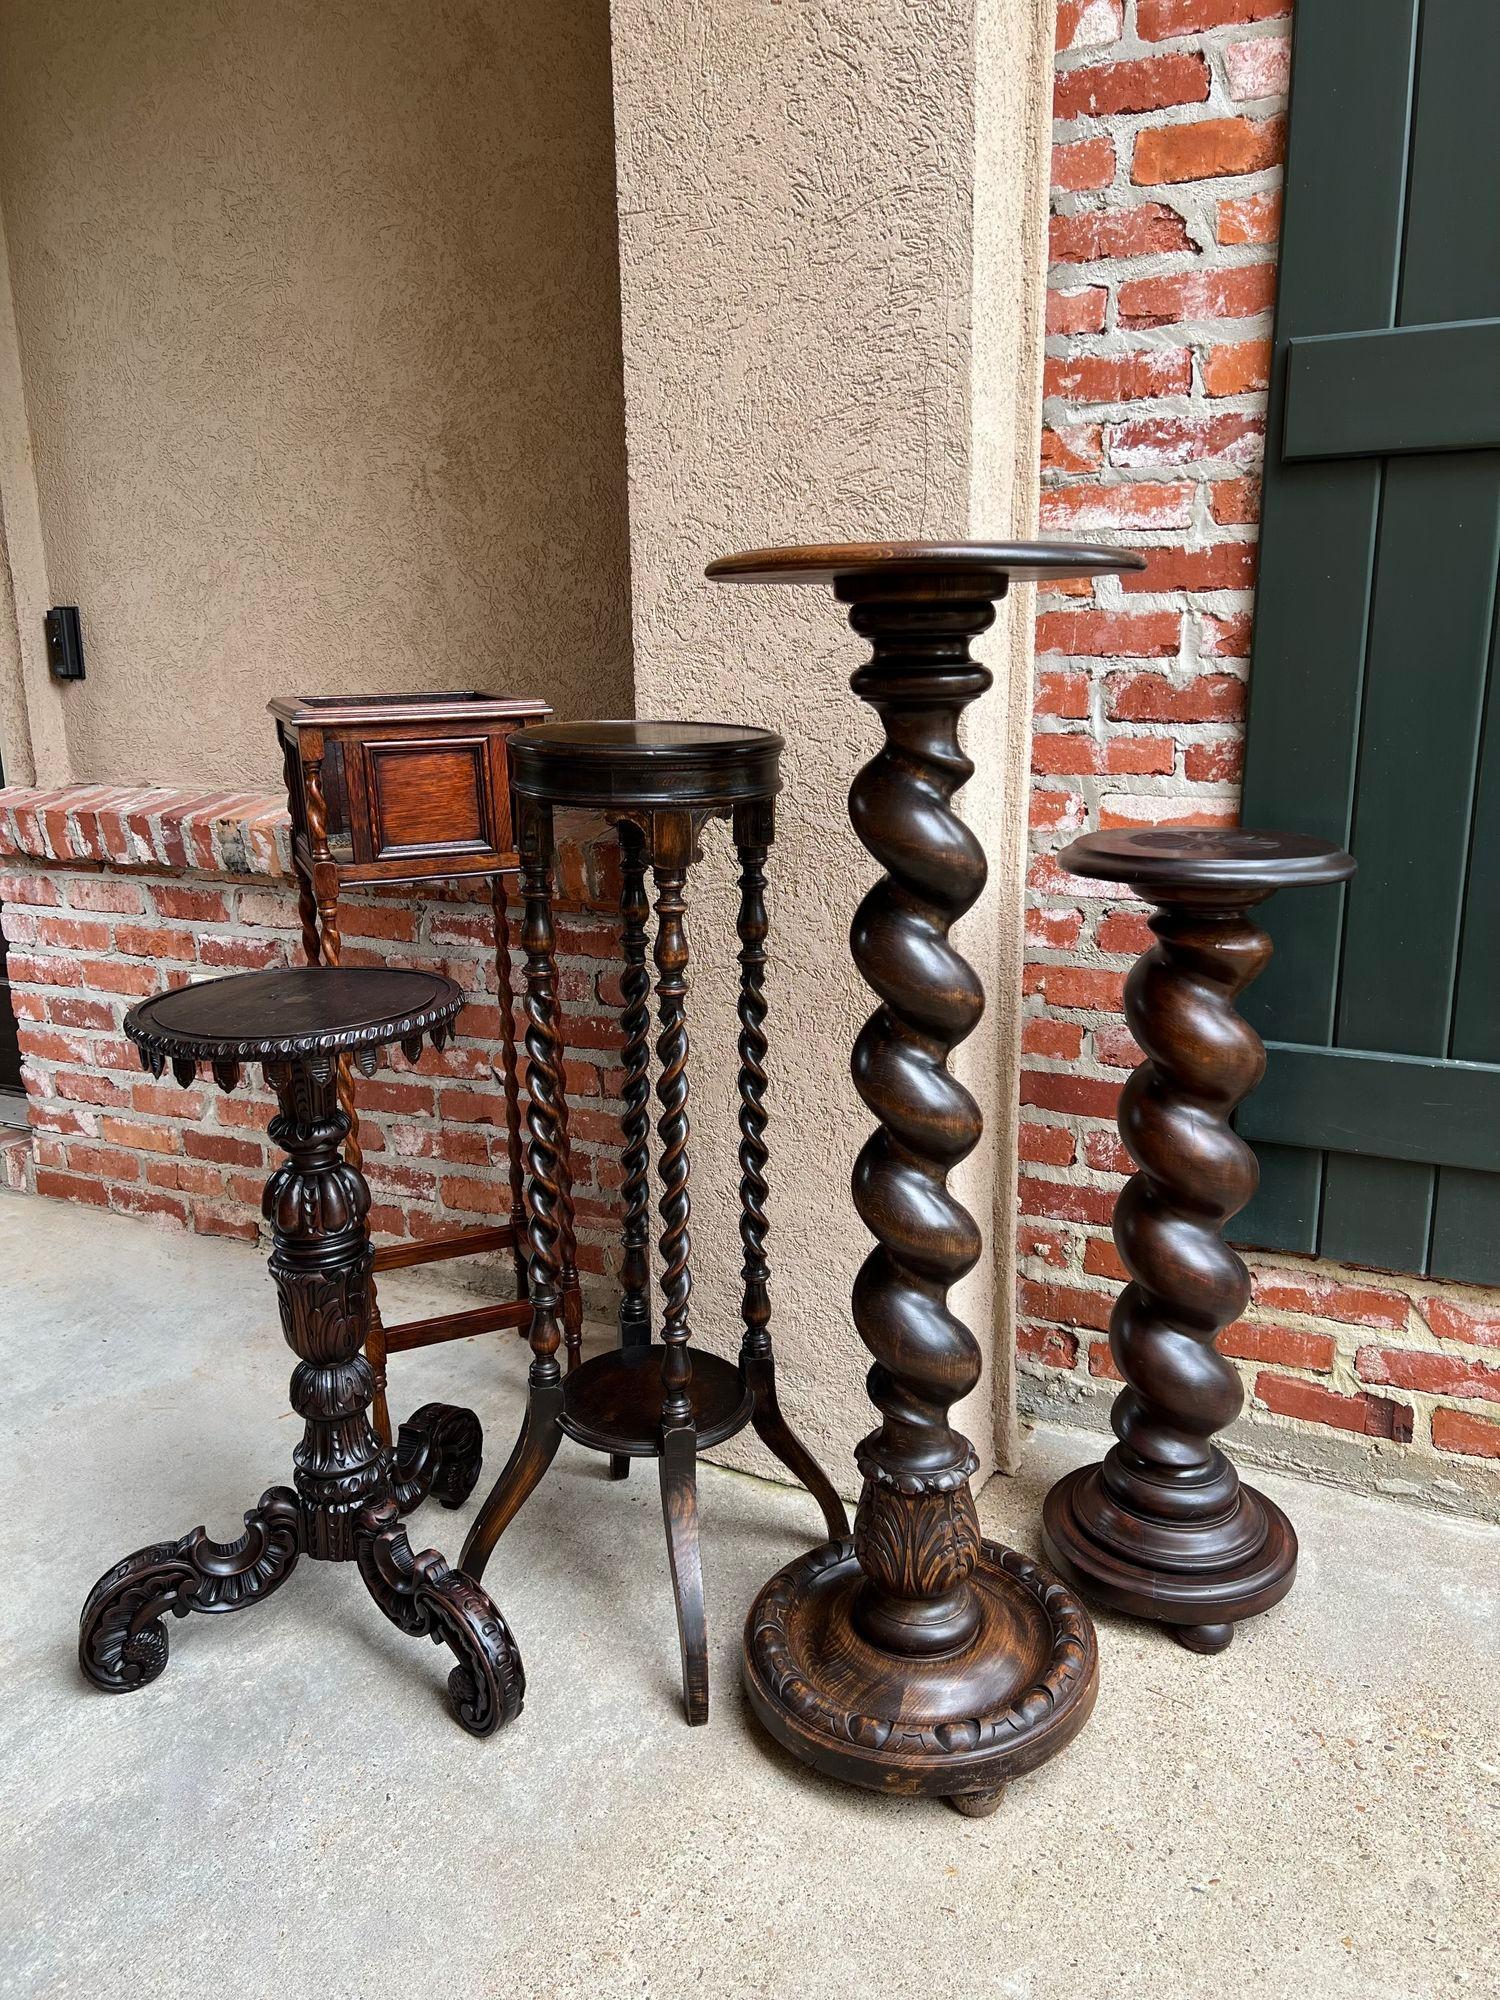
(917, 1657)
(659, 783)
(349, 1489)
(1163, 1528)
(397, 789)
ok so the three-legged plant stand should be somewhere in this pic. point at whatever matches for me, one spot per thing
(659, 783)
(349, 1490)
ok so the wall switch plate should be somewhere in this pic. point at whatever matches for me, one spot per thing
(64, 642)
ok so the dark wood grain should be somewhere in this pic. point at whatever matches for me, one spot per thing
(349, 1488)
(1164, 1528)
(659, 783)
(916, 1657)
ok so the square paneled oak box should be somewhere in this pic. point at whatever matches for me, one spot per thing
(408, 788)
(413, 787)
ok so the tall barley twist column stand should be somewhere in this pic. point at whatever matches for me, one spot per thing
(1163, 1528)
(917, 1657)
(349, 1489)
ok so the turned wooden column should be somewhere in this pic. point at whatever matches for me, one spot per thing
(1163, 1527)
(918, 1657)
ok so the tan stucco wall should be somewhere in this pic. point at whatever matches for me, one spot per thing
(831, 277)
(318, 318)
(33, 724)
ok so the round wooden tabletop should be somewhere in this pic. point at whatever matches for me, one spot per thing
(609, 765)
(1010, 562)
(1206, 857)
(300, 1010)
(604, 741)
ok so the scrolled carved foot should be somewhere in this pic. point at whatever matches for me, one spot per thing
(1202, 1638)
(439, 1450)
(977, 1805)
(426, 1599)
(122, 1641)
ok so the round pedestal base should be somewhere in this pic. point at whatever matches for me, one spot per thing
(1201, 1605)
(957, 1725)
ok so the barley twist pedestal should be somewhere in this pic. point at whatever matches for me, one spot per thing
(918, 1657)
(660, 784)
(1163, 1528)
(349, 1489)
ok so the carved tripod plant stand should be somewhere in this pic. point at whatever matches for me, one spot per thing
(659, 783)
(1163, 1528)
(349, 1489)
(918, 1657)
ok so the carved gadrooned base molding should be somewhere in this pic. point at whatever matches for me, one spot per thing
(956, 1725)
(1200, 1605)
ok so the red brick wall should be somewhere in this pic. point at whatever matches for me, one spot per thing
(108, 896)
(1168, 136)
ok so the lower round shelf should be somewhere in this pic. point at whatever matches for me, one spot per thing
(954, 1726)
(613, 1403)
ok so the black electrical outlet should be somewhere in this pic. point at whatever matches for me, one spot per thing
(64, 642)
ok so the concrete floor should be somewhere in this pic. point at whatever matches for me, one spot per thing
(290, 1811)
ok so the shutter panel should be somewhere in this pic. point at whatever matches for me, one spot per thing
(1374, 698)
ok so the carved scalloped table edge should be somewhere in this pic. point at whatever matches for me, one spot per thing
(225, 1056)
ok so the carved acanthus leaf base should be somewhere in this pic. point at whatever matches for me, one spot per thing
(916, 1545)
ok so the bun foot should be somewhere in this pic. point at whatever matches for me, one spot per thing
(1202, 1638)
(977, 1805)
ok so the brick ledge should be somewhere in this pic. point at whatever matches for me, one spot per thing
(149, 827)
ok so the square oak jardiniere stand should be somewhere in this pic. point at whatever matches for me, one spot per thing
(917, 1657)
(401, 789)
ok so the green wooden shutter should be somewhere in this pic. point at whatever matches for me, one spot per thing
(1374, 700)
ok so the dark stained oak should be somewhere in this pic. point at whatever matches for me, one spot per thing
(1163, 1527)
(411, 788)
(917, 1657)
(349, 1489)
(659, 783)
